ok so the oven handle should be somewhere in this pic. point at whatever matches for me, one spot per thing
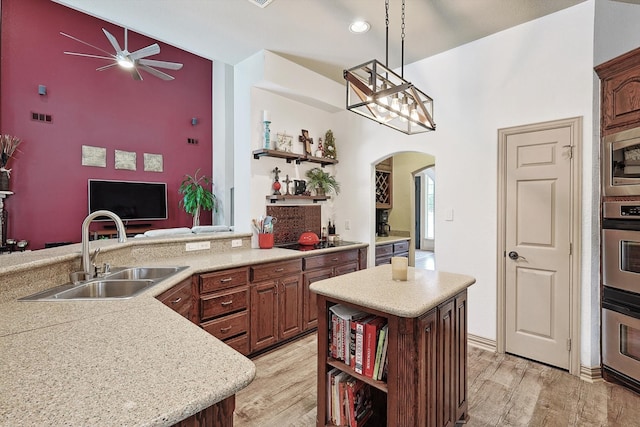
(620, 224)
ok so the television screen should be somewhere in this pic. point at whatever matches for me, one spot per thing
(128, 199)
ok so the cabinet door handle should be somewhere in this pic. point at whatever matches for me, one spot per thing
(177, 300)
(226, 303)
(228, 279)
(334, 259)
(279, 270)
(225, 330)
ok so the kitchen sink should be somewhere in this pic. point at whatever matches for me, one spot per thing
(121, 283)
(100, 289)
(137, 273)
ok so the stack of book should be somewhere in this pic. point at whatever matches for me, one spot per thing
(359, 340)
(348, 400)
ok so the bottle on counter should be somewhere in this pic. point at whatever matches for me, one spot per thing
(324, 233)
(332, 229)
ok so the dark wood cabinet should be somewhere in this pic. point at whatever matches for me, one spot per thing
(223, 306)
(620, 96)
(320, 267)
(179, 298)
(276, 303)
(385, 251)
(384, 184)
(427, 366)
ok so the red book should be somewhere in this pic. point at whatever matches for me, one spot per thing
(359, 350)
(359, 400)
(371, 330)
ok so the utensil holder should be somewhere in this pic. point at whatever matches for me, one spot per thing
(265, 240)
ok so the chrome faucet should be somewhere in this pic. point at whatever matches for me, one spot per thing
(86, 258)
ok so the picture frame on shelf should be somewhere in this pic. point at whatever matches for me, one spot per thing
(284, 142)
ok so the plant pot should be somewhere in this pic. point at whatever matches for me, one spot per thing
(4, 181)
(320, 192)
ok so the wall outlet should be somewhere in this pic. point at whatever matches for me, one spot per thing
(236, 243)
(197, 246)
(347, 225)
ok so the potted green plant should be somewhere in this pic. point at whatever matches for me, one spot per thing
(196, 195)
(322, 182)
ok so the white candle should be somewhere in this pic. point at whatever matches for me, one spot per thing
(266, 116)
(399, 267)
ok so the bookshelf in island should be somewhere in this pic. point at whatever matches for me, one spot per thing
(411, 368)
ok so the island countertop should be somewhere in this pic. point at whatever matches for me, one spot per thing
(374, 288)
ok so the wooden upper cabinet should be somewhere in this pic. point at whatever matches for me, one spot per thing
(620, 93)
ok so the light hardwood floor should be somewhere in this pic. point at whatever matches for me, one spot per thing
(504, 390)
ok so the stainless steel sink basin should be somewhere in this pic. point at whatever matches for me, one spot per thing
(137, 273)
(121, 283)
(100, 289)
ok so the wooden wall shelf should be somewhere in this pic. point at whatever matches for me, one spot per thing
(293, 157)
(283, 198)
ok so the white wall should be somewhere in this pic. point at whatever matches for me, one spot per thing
(536, 72)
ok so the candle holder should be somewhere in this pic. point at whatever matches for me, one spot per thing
(267, 135)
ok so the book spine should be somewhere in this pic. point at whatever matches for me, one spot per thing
(376, 366)
(370, 334)
(359, 351)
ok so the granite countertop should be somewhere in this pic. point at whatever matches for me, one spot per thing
(373, 288)
(391, 239)
(131, 362)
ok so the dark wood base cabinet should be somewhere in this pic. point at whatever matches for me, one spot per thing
(218, 415)
(427, 367)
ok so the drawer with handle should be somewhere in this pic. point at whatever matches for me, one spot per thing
(228, 326)
(178, 298)
(275, 270)
(327, 260)
(223, 279)
(223, 302)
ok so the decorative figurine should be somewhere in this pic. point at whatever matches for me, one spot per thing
(287, 181)
(320, 150)
(276, 183)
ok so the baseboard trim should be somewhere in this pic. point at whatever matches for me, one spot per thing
(481, 342)
(591, 374)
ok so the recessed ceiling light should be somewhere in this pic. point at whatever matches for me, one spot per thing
(359, 27)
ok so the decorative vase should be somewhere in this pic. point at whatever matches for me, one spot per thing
(4, 180)
(320, 192)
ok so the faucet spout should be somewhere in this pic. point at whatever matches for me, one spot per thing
(86, 258)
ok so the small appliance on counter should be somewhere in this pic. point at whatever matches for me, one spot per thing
(382, 223)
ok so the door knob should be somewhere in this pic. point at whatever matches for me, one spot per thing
(515, 256)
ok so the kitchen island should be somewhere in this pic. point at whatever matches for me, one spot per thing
(130, 362)
(427, 343)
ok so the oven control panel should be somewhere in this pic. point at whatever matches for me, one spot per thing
(623, 210)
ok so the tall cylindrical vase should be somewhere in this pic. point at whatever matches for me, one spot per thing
(4, 180)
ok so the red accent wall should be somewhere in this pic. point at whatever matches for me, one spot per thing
(103, 109)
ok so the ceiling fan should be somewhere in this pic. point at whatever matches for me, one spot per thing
(133, 61)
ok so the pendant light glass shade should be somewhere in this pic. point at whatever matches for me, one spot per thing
(379, 94)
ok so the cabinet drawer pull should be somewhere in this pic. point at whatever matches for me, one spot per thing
(226, 303)
(225, 330)
(279, 270)
(177, 300)
(228, 279)
(334, 259)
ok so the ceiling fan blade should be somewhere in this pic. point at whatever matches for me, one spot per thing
(112, 40)
(88, 55)
(85, 43)
(135, 74)
(157, 73)
(106, 67)
(152, 49)
(161, 64)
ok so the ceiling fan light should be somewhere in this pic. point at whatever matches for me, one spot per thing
(125, 63)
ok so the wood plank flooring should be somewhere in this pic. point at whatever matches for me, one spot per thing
(504, 390)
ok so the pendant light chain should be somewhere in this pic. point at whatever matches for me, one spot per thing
(386, 22)
(402, 50)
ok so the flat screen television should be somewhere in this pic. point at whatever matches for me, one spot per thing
(130, 200)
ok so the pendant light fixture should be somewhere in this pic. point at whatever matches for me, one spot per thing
(377, 93)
